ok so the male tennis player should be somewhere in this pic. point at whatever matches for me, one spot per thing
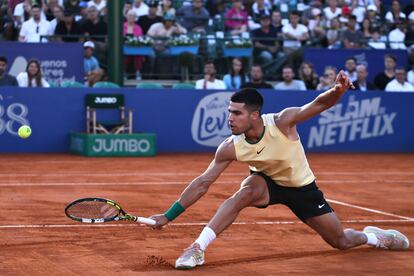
(280, 173)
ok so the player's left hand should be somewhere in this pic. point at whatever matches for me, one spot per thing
(342, 82)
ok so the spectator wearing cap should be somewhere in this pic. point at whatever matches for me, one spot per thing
(140, 8)
(395, 14)
(236, 18)
(351, 37)
(35, 27)
(165, 7)
(68, 30)
(400, 83)
(167, 27)
(6, 79)
(294, 33)
(373, 17)
(146, 21)
(93, 72)
(397, 36)
(99, 4)
(131, 29)
(194, 17)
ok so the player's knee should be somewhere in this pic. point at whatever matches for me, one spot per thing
(245, 196)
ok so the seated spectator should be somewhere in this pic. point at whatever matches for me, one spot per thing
(209, 81)
(397, 36)
(277, 22)
(333, 34)
(33, 76)
(237, 76)
(93, 72)
(146, 21)
(35, 27)
(58, 17)
(351, 37)
(399, 84)
(236, 18)
(410, 74)
(99, 4)
(48, 8)
(361, 83)
(6, 79)
(140, 8)
(289, 83)
(165, 7)
(366, 29)
(131, 29)
(328, 79)
(317, 25)
(72, 7)
(256, 79)
(377, 41)
(194, 17)
(382, 79)
(261, 8)
(308, 75)
(294, 33)
(332, 11)
(395, 14)
(96, 30)
(68, 30)
(350, 68)
(374, 18)
(166, 28)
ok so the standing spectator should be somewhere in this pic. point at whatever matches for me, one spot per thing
(194, 17)
(308, 75)
(146, 21)
(361, 82)
(22, 12)
(333, 34)
(140, 8)
(397, 36)
(289, 83)
(6, 79)
(99, 4)
(236, 18)
(382, 79)
(33, 76)
(399, 84)
(351, 37)
(68, 30)
(209, 81)
(93, 72)
(35, 27)
(395, 13)
(256, 79)
(237, 76)
(350, 68)
(131, 29)
(294, 33)
(58, 17)
(328, 78)
(165, 7)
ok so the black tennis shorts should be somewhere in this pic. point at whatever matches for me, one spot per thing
(305, 202)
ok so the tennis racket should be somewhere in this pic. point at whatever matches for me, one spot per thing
(97, 210)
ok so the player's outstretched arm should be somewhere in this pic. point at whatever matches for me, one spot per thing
(323, 101)
(225, 154)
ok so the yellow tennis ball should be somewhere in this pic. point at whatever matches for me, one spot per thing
(24, 131)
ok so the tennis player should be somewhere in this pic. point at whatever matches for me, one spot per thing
(279, 173)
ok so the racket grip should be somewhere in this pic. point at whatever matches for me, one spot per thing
(147, 221)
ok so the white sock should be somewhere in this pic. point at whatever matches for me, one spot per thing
(206, 237)
(371, 239)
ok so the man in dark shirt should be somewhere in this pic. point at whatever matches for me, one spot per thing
(6, 79)
(256, 79)
(194, 17)
(351, 37)
(382, 79)
(94, 26)
(68, 30)
(146, 21)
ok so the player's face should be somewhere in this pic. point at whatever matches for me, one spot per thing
(239, 118)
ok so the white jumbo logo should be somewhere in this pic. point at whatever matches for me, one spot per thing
(209, 126)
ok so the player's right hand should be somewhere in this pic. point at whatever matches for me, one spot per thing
(161, 221)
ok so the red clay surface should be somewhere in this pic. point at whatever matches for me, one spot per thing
(37, 239)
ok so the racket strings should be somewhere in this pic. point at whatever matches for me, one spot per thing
(93, 210)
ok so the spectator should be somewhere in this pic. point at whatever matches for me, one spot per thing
(397, 36)
(22, 12)
(127, 7)
(209, 81)
(409, 8)
(35, 27)
(376, 41)
(289, 83)
(308, 75)
(351, 37)
(96, 30)
(6, 79)
(93, 72)
(261, 8)
(399, 84)
(131, 29)
(237, 76)
(146, 21)
(99, 4)
(165, 7)
(332, 11)
(382, 79)
(33, 76)
(294, 33)
(395, 14)
(194, 17)
(410, 74)
(83, 14)
(317, 24)
(167, 27)
(333, 34)
(140, 8)
(328, 78)
(361, 82)
(58, 15)
(48, 9)
(256, 79)
(68, 30)
(366, 29)
(350, 68)
(72, 7)
(236, 18)
(373, 17)
(277, 21)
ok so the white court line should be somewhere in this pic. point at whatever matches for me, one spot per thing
(189, 224)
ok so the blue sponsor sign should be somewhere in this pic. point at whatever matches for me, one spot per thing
(59, 61)
(196, 120)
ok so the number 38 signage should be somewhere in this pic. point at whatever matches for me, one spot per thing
(12, 117)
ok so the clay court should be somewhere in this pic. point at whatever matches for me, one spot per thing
(37, 239)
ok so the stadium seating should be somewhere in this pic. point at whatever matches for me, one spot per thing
(149, 85)
(106, 84)
(183, 86)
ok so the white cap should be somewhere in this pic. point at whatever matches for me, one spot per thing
(372, 7)
(89, 44)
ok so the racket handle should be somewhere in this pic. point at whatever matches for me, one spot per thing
(147, 221)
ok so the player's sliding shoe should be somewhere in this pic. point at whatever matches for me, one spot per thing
(389, 239)
(190, 258)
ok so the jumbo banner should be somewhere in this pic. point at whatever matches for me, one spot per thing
(59, 61)
(196, 120)
(374, 60)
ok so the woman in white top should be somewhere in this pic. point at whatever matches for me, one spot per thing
(33, 76)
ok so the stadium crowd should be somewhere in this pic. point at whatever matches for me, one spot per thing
(278, 31)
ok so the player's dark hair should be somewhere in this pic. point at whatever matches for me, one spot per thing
(250, 97)
(4, 59)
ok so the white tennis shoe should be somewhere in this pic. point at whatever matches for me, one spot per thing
(190, 258)
(389, 239)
